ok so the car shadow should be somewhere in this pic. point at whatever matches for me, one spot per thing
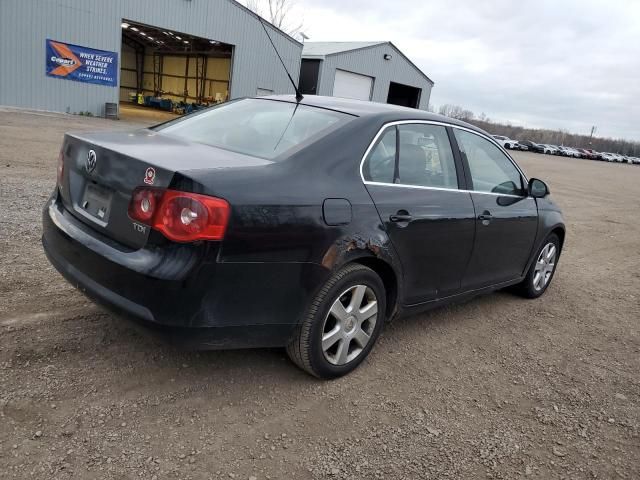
(130, 358)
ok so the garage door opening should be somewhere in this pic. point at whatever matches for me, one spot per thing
(404, 95)
(309, 76)
(352, 85)
(171, 71)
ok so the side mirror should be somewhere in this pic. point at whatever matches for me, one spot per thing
(537, 188)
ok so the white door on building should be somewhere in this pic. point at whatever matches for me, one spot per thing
(352, 85)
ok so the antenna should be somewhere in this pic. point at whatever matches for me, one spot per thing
(299, 96)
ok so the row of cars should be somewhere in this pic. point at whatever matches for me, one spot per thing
(511, 144)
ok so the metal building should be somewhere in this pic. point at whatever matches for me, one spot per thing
(78, 55)
(375, 71)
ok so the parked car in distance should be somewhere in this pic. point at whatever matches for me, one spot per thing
(607, 157)
(558, 150)
(549, 149)
(613, 157)
(506, 142)
(596, 155)
(569, 152)
(531, 146)
(584, 153)
(271, 222)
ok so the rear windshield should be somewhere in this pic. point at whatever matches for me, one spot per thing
(259, 127)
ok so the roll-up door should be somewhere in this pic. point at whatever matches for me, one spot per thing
(352, 85)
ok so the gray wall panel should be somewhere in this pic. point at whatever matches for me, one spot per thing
(371, 62)
(25, 24)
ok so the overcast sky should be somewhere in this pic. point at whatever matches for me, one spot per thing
(551, 64)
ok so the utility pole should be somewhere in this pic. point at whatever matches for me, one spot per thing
(593, 130)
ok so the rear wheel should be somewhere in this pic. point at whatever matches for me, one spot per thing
(341, 325)
(542, 269)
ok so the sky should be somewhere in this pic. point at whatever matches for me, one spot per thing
(569, 64)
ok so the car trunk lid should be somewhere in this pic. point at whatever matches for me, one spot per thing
(101, 171)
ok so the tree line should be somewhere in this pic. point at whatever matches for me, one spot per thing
(552, 137)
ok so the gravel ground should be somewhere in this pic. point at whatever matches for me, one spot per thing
(498, 387)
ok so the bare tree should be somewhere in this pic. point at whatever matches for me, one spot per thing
(278, 12)
(467, 115)
(451, 111)
(455, 111)
(253, 5)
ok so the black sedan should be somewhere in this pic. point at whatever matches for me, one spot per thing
(532, 146)
(272, 222)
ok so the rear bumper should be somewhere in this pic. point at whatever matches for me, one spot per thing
(182, 291)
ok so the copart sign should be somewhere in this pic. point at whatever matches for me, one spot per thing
(81, 64)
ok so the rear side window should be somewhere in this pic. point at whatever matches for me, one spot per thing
(491, 170)
(412, 154)
(259, 127)
(380, 164)
(425, 157)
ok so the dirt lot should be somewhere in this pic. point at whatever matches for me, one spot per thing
(499, 387)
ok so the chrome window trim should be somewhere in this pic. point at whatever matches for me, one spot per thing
(442, 124)
(420, 187)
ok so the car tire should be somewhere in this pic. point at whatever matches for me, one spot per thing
(540, 273)
(328, 342)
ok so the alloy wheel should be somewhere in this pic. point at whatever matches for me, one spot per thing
(545, 265)
(349, 325)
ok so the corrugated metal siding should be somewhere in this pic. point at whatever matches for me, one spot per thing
(25, 24)
(371, 62)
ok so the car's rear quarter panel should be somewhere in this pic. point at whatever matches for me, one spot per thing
(278, 231)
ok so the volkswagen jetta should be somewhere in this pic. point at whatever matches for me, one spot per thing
(305, 224)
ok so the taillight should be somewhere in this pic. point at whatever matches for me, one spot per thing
(144, 203)
(180, 216)
(60, 169)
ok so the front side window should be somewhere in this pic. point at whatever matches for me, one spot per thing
(491, 170)
(425, 157)
(259, 127)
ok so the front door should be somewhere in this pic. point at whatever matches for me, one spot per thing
(413, 179)
(506, 218)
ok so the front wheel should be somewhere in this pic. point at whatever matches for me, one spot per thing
(542, 269)
(341, 325)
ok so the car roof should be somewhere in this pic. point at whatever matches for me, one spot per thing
(361, 108)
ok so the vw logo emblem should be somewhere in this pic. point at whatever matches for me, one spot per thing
(91, 161)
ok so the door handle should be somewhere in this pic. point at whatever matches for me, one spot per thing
(485, 217)
(400, 217)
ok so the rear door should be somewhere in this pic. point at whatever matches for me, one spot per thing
(414, 181)
(506, 218)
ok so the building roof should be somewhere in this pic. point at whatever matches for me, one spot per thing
(320, 50)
